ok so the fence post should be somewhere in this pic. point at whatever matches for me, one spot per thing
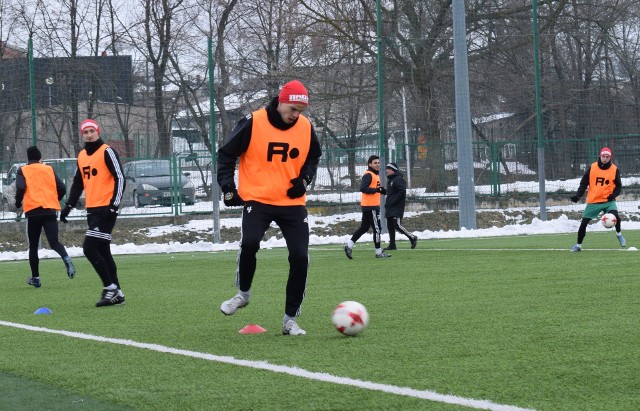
(215, 192)
(32, 91)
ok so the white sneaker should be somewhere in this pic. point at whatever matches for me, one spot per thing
(292, 328)
(229, 307)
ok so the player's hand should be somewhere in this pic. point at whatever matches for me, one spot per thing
(231, 197)
(382, 190)
(65, 213)
(298, 189)
(18, 204)
(575, 198)
(611, 198)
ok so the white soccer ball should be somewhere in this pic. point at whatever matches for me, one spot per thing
(609, 220)
(350, 318)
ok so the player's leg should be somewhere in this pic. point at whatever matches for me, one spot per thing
(618, 226)
(364, 227)
(377, 233)
(582, 232)
(97, 249)
(391, 226)
(295, 230)
(34, 229)
(590, 212)
(404, 231)
(365, 223)
(50, 226)
(255, 222)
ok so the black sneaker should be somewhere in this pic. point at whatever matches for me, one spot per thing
(111, 297)
(347, 251)
(414, 242)
(34, 281)
(71, 270)
(390, 247)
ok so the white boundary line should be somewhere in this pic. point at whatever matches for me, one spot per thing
(567, 250)
(294, 371)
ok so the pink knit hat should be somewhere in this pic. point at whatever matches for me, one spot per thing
(90, 123)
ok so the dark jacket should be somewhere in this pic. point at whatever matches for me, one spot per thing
(396, 195)
(238, 142)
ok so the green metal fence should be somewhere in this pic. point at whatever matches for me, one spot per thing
(183, 184)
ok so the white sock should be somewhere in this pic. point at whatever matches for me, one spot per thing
(350, 244)
(111, 287)
(378, 251)
(245, 294)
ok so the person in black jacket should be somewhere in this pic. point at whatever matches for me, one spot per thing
(39, 190)
(394, 206)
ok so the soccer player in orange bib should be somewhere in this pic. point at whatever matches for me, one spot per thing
(278, 153)
(604, 183)
(100, 175)
(39, 191)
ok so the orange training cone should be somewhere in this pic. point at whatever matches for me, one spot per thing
(252, 329)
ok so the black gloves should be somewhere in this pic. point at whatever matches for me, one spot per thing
(110, 212)
(382, 190)
(65, 213)
(611, 198)
(18, 204)
(231, 197)
(299, 187)
(575, 198)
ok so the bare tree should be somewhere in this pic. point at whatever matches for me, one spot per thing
(6, 121)
(158, 37)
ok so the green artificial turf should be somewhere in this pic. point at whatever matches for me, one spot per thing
(512, 320)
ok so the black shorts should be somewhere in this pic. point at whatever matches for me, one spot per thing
(101, 225)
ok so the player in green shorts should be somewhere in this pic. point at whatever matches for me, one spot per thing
(602, 179)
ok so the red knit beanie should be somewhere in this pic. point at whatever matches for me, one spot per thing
(605, 150)
(90, 123)
(294, 93)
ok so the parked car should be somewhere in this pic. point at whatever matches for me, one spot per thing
(152, 183)
(65, 168)
(9, 188)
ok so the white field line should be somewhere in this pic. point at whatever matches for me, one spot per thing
(566, 250)
(297, 372)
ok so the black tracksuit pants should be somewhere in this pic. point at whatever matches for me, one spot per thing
(395, 224)
(370, 219)
(292, 220)
(35, 225)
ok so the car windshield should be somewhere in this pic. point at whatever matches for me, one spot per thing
(154, 169)
(65, 168)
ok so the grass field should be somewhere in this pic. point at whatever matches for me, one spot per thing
(508, 322)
